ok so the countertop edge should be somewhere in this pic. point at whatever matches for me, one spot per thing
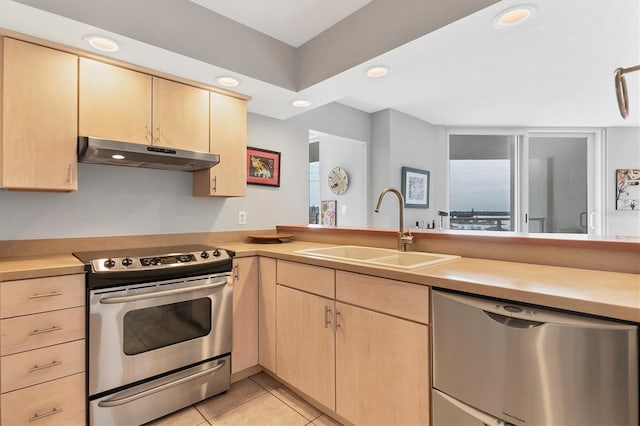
(435, 276)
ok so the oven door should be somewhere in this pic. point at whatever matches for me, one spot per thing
(140, 331)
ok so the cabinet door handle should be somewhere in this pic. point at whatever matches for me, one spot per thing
(327, 316)
(41, 295)
(70, 174)
(42, 367)
(338, 316)
(158, 135)
(45, 330)
(43, 415)
(214, 184)
(236, 274)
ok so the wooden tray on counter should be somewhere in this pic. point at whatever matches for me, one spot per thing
(270, 238)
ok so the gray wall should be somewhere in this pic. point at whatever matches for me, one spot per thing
(401, 140)
(123, 201)
(623, 152)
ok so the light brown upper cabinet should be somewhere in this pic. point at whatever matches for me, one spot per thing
(115, 103)
(124, 105)
(228, 137)
(180, 115)
(39, 113)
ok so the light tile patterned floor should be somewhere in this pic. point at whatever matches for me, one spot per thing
(259, 400)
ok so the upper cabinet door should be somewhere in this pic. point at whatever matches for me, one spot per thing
(180, 116)
(115, 103)
(39, 118)
(228, 139)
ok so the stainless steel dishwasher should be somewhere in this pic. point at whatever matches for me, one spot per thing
(502, 363)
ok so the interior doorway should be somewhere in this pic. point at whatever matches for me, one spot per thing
(328, 205)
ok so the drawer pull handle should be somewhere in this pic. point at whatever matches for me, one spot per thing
(45, 330)
(43, 415)
(41, 295)
(42, 367)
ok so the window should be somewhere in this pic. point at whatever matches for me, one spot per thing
(481, 187)
(533, 181)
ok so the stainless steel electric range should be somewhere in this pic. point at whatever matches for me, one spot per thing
(159, 330)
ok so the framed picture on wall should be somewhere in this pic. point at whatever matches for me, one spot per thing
(263, 167)
(628, 189)
(328, 210)
(415, 187)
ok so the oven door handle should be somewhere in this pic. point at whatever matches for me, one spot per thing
(124, 299)
(125, 400)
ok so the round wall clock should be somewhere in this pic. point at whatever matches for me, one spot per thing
(338, 180)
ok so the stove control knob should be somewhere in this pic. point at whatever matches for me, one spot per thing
(109, 263)
(204, 254)
(216, 253)
(127, 261)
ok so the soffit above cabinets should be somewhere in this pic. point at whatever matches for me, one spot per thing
(449, 64)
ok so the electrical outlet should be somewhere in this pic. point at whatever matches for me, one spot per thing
(242, 218)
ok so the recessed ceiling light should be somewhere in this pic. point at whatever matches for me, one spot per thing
(101, 43)
(117, 157)
(378, 71)
(514, 15)
(227, 81)
(301, 103)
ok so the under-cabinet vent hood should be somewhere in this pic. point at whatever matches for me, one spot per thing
(102, 151)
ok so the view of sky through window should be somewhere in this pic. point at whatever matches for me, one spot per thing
(481, 185)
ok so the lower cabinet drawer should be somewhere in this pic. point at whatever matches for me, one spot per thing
(31, 296)
(35, 331)
(41, 365)
(56, 403)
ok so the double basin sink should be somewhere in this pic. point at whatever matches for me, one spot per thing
(380, 256)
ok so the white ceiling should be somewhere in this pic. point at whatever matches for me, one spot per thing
(555, 70)
(291, 21)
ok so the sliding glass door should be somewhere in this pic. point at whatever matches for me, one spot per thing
(528, 181)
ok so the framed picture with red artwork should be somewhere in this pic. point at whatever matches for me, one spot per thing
(263, 167)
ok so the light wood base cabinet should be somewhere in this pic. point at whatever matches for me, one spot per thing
(306, 344)
(382, 368)
(43, 351)
(357, 344)
(56, 403)
(267, 313)
(245, 314)
(39, 117)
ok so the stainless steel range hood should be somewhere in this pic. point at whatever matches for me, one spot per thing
(103, 151)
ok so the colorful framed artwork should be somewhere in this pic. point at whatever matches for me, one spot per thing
(328, 210)
(263, 167)
(415, 187)
(628, 189)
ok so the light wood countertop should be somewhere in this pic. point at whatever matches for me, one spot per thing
(20, 268)
(602, 293)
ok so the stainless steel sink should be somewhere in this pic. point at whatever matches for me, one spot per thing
(380, 256)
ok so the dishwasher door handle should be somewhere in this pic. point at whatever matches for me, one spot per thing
(513, 322)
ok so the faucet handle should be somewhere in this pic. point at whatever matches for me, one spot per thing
(407, 239)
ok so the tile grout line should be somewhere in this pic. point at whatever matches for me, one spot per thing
(232, 408)
(293, 408)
